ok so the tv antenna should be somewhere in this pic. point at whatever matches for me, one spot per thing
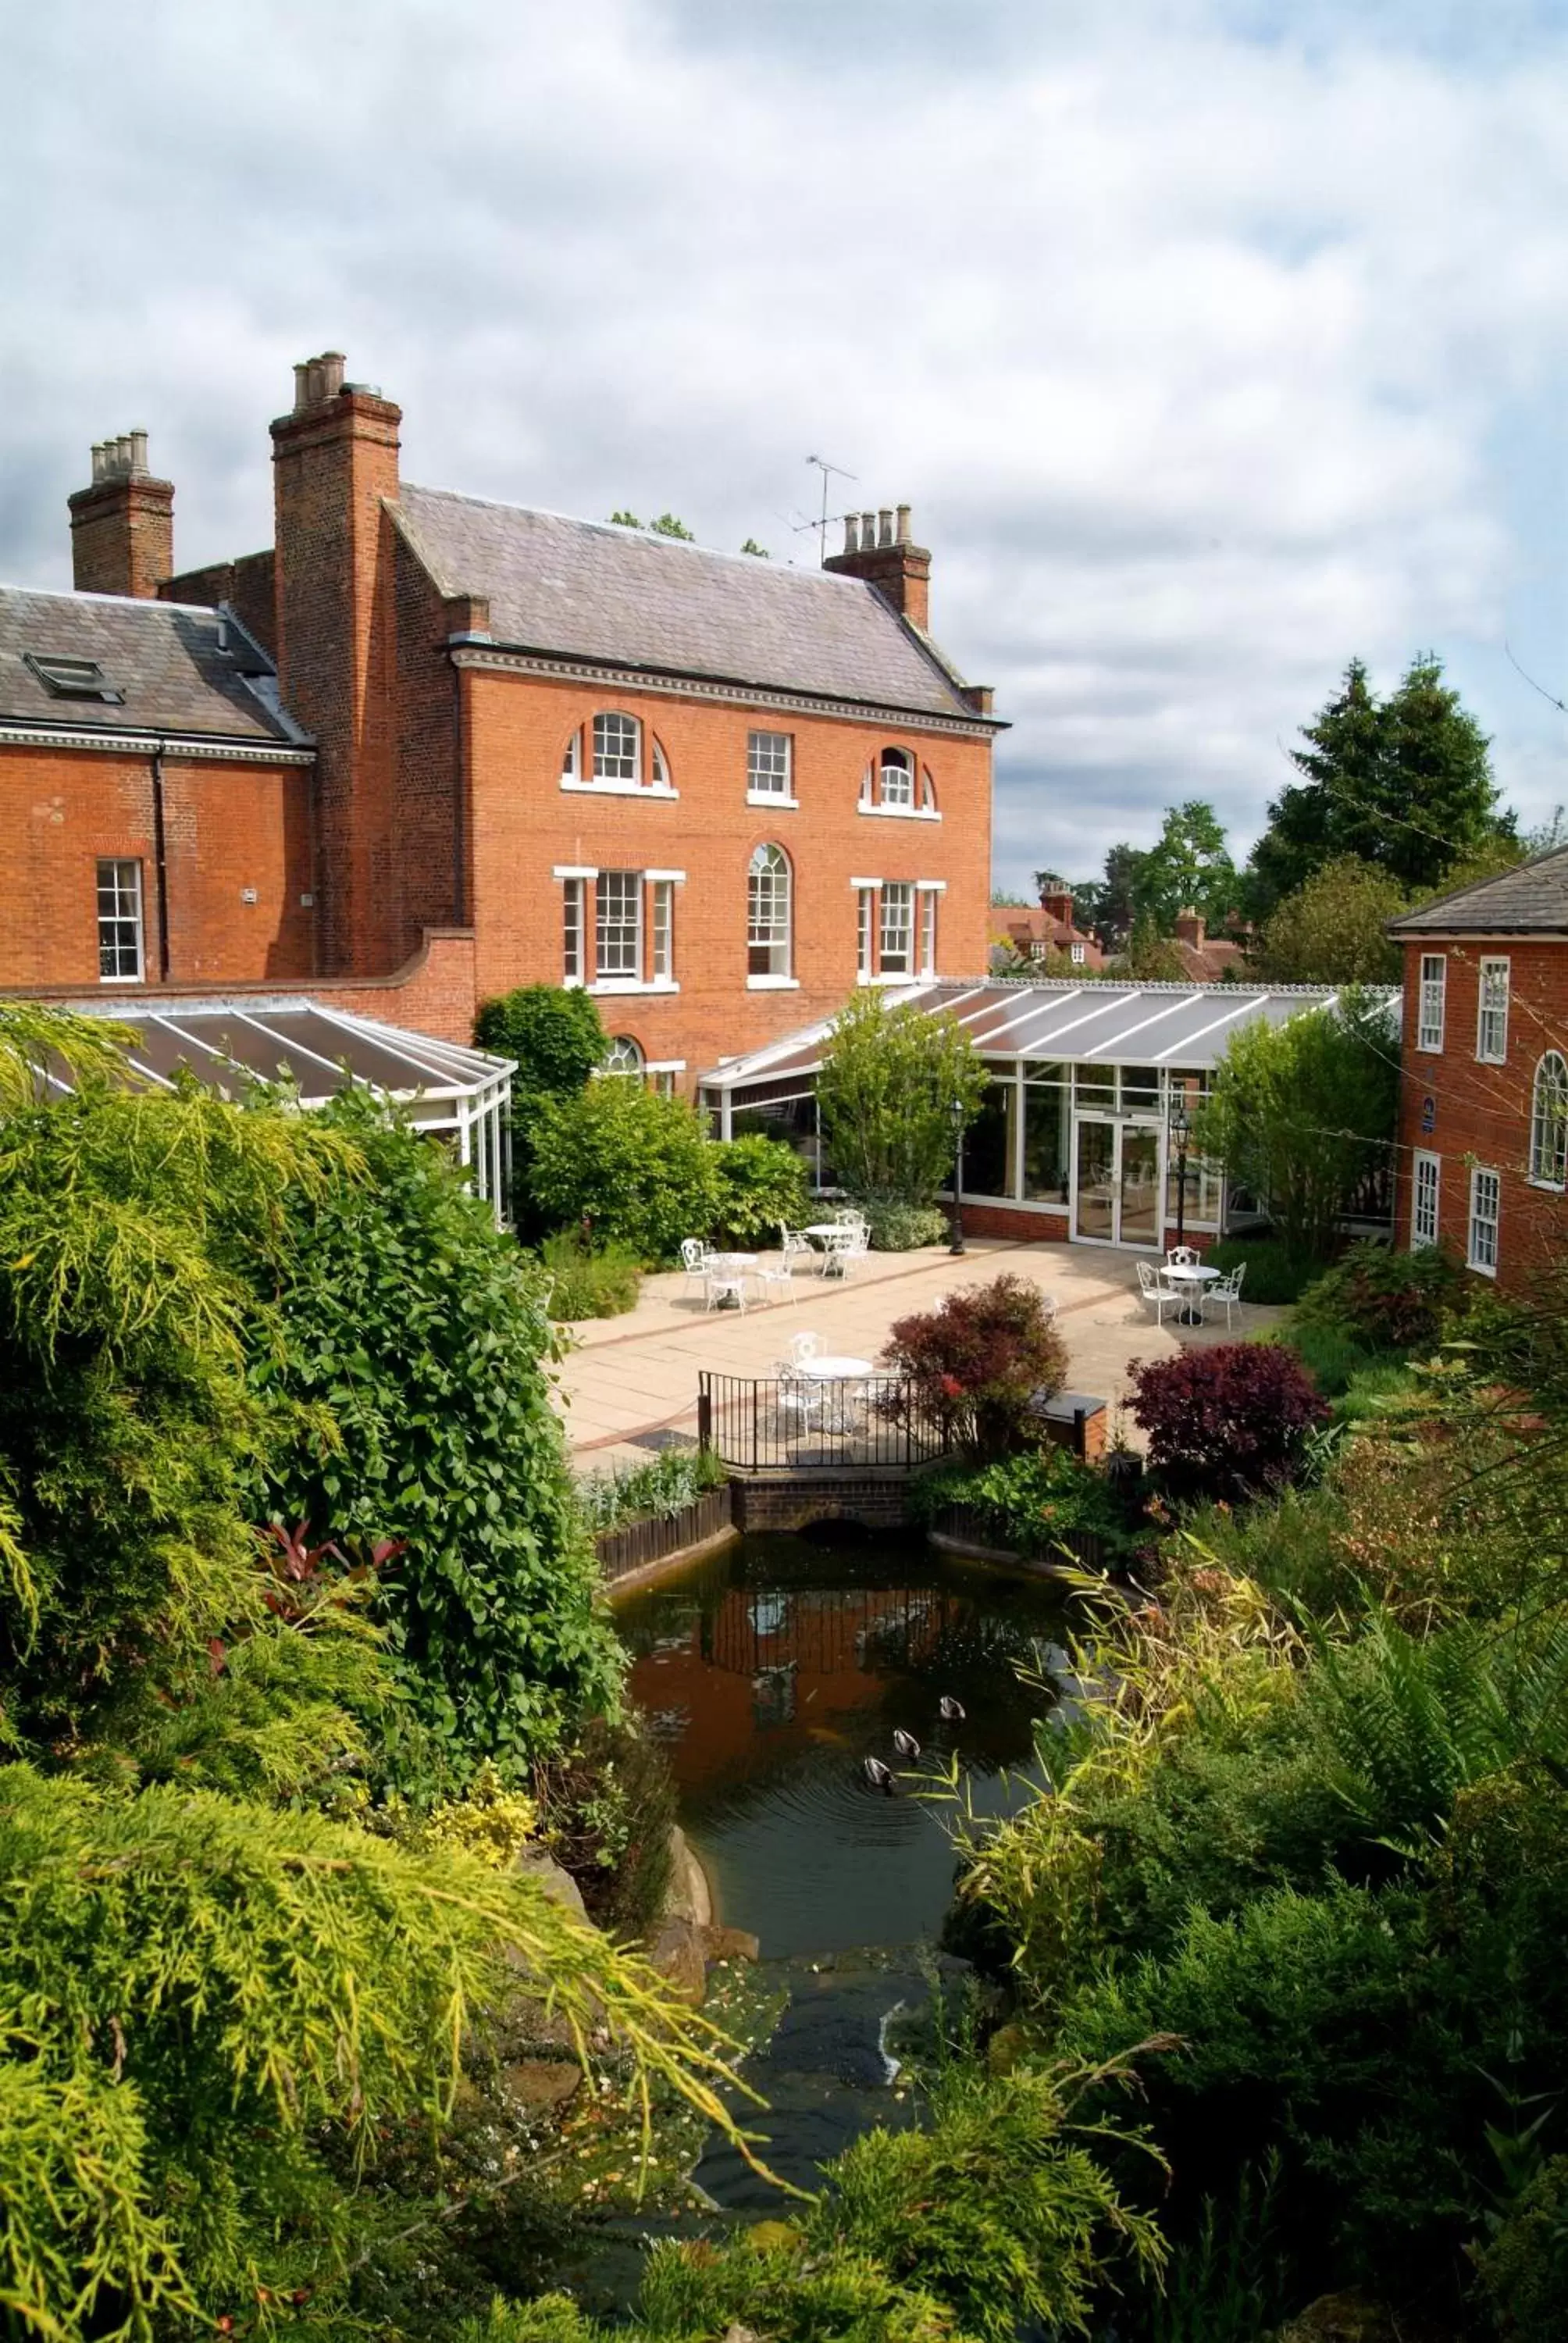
(820, 526)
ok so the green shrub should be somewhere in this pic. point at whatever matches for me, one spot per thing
(635, 1166)
(555, 1034)
(1384, 1300)
(1274, 1273)
(1029, 1502)
(418, 1328)
(902, 1228)
(1330, 1355)
(590, 1281)
(981, 1358)
(1524, 2266)
(656, 1490)
(608, 1807)
(759, 1181)
(1293, 1548)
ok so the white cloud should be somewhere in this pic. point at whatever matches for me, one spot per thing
(1207, 353)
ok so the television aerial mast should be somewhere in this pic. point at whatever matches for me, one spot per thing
(820, 526)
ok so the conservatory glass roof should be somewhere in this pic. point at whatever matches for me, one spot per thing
(230, 1044)
(1187, 1025)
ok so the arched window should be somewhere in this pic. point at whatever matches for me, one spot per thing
(572, 759)
(660, 766)
(897, 771)
(928, 790)
(623, 1056)
(1549, 1123)
(768, 885)
(617, 748)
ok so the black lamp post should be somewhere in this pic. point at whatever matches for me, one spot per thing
(956, 1242)
(1180, 1124)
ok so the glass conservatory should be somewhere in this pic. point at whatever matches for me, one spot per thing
(1083, 1127)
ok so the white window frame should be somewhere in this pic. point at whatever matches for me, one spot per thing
(1425, 1199)
(606, 775)
(1432, 999)
(926, 892)
(897, 897)
(122, 928)
(865, 929)
(1485, 1223)
(618, 939)
(1492, 1012)
(769, 919)
(898, 764)
(919, 805)
(573, 959)
(662, 931)
(771, 769)
(1549, 1123)
(1076, 954)
(624, 1056)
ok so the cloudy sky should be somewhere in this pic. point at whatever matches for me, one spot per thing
(1211, 341)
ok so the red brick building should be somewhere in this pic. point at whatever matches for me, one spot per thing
(425, 747)
(1483, 1072)
(1034, 933)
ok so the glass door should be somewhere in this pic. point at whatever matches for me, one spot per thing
(1094, 1180)
(1138, 1186)
(1116, 1183)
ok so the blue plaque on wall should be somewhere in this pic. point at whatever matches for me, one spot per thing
(1429, 1113)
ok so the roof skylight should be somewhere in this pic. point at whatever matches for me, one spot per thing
(72, 679)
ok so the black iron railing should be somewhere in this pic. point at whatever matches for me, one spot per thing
(780, 1423)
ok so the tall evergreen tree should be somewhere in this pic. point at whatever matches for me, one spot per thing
(1404, 783)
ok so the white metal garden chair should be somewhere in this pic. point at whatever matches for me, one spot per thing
(801, 1402)
(693, 1260)
(723, 1284)
(1183, 1256)
(793, 1246)
(1156, 1292)
(804, 1346)
(1225, 1293)
(846, 1246)
(773, 1281)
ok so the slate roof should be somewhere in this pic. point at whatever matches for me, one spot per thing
(164, 658)
(1532, 898)
(628, 598)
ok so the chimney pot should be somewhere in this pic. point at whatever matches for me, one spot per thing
(903, 535)
(301, 386)
(868, 531)
(885, 526)
(851, 532)
(332, 365)
(138, 451)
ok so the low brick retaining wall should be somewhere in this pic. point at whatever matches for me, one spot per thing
(790, 1502)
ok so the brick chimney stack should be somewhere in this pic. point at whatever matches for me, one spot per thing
(335, 469)
(1190, 928)
(1057, 904)
(123, 525)
(878, 547)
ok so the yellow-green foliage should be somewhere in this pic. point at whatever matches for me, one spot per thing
(491, 1822)
(212, 2012)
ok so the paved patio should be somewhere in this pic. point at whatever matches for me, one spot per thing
(629, 1381)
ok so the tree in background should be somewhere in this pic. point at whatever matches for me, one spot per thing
(896, 1087)
(1301, 1113)
(668, 525)
(1404, 783)
(1333, 929)
(1108, 906)
(1188, 867)
(1152, 958)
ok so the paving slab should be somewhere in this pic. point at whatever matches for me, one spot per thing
(629, 1385)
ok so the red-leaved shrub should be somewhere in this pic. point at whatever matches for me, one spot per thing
(979, 1360)
(1228, 1422)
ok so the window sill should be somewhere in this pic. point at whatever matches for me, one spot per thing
(122, 980)
(632, 984)
(618, 789)
(1546, 1186)
(766, 798)
(772, 984)
(1490, 1060)
(900, 813)
(1482, 1268)
(886, 977)
(1429, 1049)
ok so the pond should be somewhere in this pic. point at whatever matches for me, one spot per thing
(775, 1669)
